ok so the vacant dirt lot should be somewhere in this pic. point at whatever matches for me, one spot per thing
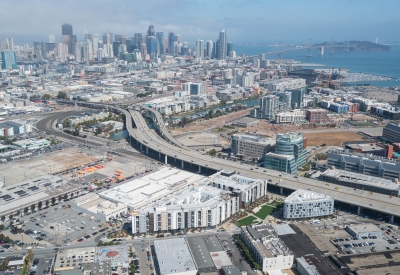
(333, 138)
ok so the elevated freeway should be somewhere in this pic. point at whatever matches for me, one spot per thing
(152, 144)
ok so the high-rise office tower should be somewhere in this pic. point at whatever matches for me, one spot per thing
(160, 43)
(209, 48)
(121, 38)
(107, 38)
(78, 52)
(177, 38)
(215, 49)
(171, 43)
(166, 45)
(61, 52)
(115, 46)
(73, 41)
(10, 43)
(87, 50)
(150, 31)
(95, 43)
(151, 45)
(200, 48)
(66, 29)
(138, 38)
(143, 50)
(8, 59)
(37, 50)
(52, 38)
(100, 54)
(229, 48)
(130, 45)
(222, 45)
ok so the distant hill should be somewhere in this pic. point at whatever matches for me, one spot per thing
(360, 46)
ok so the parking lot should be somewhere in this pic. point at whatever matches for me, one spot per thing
(59, 224)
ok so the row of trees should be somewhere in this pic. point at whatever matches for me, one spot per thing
(247, 253)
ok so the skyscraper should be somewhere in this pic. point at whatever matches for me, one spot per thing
(95, 43)
(52, 38)
(229, 48)
(222, 45)
(61, 52)
(200, 49)
(215, 49)
(121, 38)
(10, 43)
(66, 29)
(209, 48)
(171, 43)
(151, 47)
(8, 59)
(150, 31)
(160, 42)
(107, 38)
(115, 46)
(138, 38)
(37, 50)
(78, 52)
(87, 50)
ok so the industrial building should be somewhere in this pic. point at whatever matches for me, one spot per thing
(307, 204)
(173, 257)
(304, 268)
(364, 164)
(12, 128)
(267, 248)
(290, 153)
(145, 191)
(363, 230)
(317, 116)
(372, 148)
(32, 143)
(102, 209)
(251, 146)
(391, 133)
(361, 182)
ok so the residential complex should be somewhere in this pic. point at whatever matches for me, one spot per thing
(267, 248)
(307, 204)
(317, 116)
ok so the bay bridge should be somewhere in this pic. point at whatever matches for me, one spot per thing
(279, 49)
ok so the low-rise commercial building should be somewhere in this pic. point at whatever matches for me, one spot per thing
(363, 230)
(173, 257)
(251, 146)
(317, 116)
(364, 164)
(68, 259)
(267, 249)
(391, 132)
(304, 268)
(32, 143)
(102, 209)
(361, 182)
(372, 148)
(307, 204)
(293, 116)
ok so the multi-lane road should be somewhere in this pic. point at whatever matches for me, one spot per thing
(151, 141)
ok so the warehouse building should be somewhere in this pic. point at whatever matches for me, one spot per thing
(173, 257)
(307, 204)
(268, 250)
(362, 182)
(364, 164)
(363, 230)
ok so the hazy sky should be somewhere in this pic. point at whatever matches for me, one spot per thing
(252, 21)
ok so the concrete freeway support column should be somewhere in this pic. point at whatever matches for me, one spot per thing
(166, 159)
(281, 191)
(147, 150)
(359, 210)
(391, 219)
(182, 164)
(199, 169)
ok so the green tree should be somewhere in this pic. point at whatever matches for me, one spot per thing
(40, 204)
(212, 152)
(46, 97)
(62, 95)
(98, 131)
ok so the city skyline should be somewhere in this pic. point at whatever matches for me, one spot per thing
(290, 22)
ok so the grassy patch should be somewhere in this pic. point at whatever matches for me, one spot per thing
(276, 203)
(264, 211)
(246, 221)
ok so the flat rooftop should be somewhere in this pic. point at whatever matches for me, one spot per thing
(67, 259)
(144, 191)
(306, 196)
(201, 254)
(173, 256)
(347, 176)
(364, 227)
(114, 254)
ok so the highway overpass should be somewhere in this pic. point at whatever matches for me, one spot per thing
(152, 144)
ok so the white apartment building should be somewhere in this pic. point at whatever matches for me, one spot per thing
(294, 116)
(268, 250)
(307, 204)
